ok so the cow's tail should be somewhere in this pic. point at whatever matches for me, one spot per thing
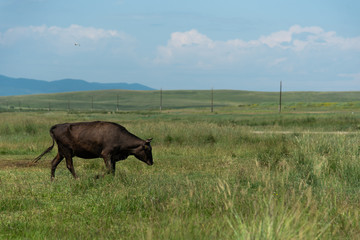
(47, 150)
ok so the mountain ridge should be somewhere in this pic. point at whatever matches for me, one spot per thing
(25, 86)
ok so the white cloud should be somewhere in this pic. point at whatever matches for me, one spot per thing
(196, 49)
(79, 32)
(276, 39)
(190, 38)
(183, 44)
(311, 37)
(58, 35)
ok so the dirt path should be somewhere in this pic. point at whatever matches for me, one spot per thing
(18, 164)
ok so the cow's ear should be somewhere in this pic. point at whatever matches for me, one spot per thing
(148, 140)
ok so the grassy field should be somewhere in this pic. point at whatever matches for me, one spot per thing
(226, 175)
(113, 100)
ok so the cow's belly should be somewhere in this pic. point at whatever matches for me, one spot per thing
(83, 153)
(86, 155)
(87, 151)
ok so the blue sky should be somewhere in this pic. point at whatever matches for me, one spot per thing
(189, 44)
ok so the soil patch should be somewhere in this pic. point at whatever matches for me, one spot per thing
(19, 164)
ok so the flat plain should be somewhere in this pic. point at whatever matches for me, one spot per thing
(230, 174)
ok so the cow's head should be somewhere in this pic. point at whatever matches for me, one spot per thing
(144, 152)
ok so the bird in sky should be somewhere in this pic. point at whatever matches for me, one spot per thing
(77, 44)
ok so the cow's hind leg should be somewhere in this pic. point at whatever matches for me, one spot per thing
(54, 163)
(70, 165)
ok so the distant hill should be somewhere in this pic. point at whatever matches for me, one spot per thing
(23, 86)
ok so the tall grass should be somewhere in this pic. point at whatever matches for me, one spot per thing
(212, 178)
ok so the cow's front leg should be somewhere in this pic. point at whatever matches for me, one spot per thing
(110, 166)
(109, 163)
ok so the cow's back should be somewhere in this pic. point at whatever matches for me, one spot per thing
(97, 131)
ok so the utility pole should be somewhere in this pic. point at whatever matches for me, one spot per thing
(212, 99)
(280, 97)
(117, 103)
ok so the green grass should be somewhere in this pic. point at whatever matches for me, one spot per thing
(212, 178)
(122, 100)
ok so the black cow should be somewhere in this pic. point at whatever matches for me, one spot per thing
(108, 140)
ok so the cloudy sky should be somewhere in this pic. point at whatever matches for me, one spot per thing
(188, 44)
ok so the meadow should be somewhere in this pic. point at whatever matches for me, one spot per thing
(123, 100)
(231, 174)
